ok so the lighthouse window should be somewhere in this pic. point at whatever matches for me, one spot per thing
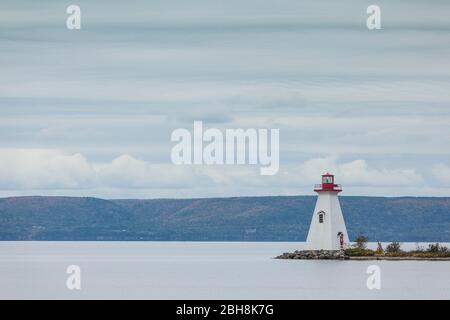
(320, 217)
(327, 179)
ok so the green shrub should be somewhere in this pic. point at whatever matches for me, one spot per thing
(394, 248)
(380, 249)
(361, 241)
(437, 248)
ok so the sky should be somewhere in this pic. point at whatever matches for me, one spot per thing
(91, 112)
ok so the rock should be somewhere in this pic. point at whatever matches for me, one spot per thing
(314, 255)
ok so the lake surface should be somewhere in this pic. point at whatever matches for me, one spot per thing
(204, 270)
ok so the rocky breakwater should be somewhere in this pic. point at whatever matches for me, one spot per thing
(314, 255)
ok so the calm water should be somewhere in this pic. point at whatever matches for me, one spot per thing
(177, 270)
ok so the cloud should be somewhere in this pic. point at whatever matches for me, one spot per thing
(128, 172)
(441, 173)
(49, 170)
(130, 77)
(358, 173)
(43, 169)
(40, 169)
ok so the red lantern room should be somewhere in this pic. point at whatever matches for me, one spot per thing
(328, 184)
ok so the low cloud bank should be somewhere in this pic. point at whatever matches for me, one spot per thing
(41, 169)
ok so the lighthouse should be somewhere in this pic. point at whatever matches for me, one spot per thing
(327, 230)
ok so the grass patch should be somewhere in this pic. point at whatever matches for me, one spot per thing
(359, 252)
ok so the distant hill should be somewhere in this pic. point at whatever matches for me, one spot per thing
(221, 219)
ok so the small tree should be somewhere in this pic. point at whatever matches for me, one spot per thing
(394, 247)
(436, 248)
(361, 241)
(433, 247)
(380, 249)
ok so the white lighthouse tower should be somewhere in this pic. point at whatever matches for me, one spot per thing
(327, 230)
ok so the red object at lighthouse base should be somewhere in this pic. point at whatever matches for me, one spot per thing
(328, 184)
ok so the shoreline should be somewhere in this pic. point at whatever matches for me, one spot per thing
(398, 259)
(347, 258)
(341, 255)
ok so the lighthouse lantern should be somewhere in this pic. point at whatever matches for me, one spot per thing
(328, 184)
(327, 178)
